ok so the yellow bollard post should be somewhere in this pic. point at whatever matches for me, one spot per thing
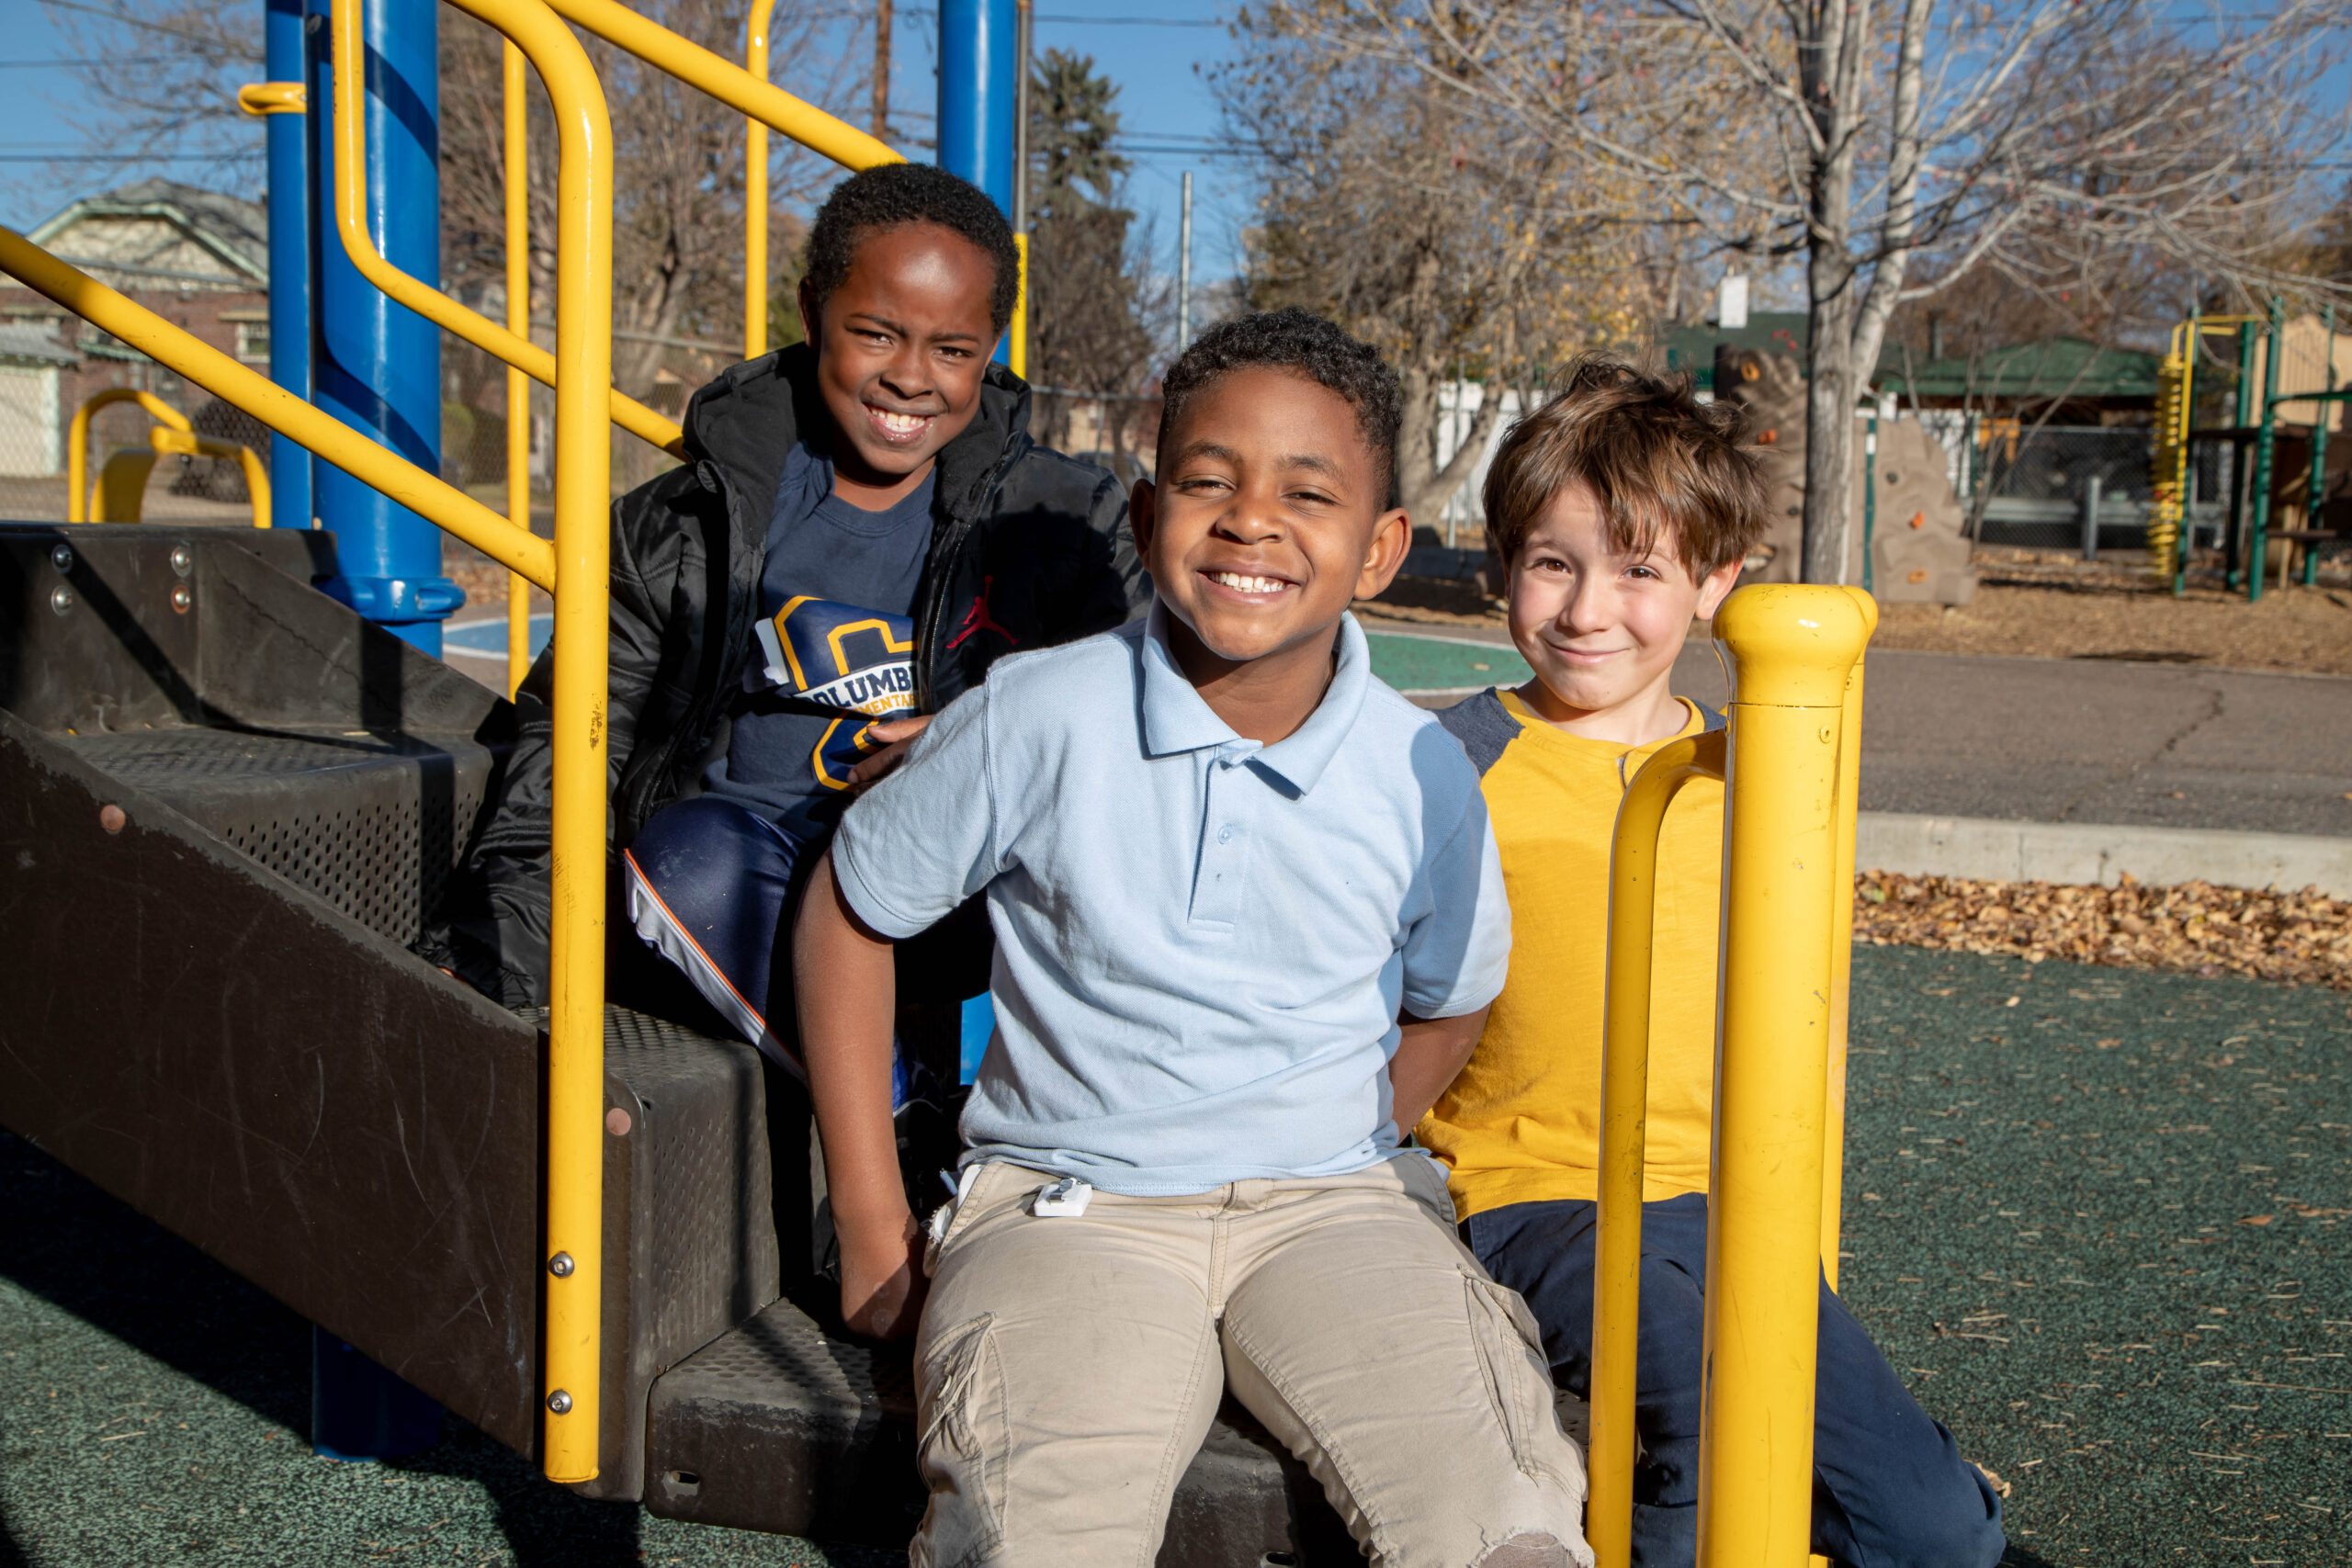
(1794, 648)
(1624, 1118)
(518, 321)
(755, 194)
(1841, 951)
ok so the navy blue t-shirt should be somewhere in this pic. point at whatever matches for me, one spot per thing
(834, 652)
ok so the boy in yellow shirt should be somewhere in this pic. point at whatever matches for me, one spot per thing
(1623, 509)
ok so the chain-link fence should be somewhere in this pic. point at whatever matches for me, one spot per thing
(2033, 486)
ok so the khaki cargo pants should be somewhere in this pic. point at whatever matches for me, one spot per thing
(1069, 1366)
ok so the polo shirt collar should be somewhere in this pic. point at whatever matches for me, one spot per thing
(1176, 718)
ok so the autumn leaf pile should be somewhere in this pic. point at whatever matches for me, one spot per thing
(2303, 938)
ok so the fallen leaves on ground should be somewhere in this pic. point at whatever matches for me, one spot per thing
(2303, 938)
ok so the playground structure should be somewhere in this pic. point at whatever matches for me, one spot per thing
(123, 482)
(2261, 405)
(562, 1228)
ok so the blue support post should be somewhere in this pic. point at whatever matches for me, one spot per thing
(979, 85)
(289, 262)
(375, 364)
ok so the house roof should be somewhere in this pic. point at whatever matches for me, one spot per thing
(229, 234)
(23, 343)
(2055, 367)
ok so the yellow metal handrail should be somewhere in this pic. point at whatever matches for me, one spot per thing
(729, 82)
(1625, 1127)
(180, 443)
(1788, 762)
(199, 362)
(77, 441)
(351, 226)
(755, 192)
(518, 321)
(1842, 948)
(583, 355)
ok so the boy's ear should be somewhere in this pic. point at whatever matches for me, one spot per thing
(1391, 537)
(1142, 514)
(1714, 588)
(809, 315)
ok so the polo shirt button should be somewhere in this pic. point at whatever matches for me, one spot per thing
(1224, 835)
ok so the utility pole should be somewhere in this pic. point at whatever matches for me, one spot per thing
(1184, 269)
(882, 69)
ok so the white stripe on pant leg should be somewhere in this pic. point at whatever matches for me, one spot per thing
(660, 930)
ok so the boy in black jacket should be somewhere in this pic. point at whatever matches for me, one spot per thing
(862, 527)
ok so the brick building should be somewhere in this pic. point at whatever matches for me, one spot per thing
(198, 259)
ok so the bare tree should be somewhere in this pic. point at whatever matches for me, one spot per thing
(1852, 140)
(1429, 226)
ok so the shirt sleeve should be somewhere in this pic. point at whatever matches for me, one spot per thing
(923, 840)
(1458, 952)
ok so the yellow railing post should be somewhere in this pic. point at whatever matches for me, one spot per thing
(1794, 650)
(755, 193)
(583, 364)
(1842, 950)
(350, 204)
(517, 106)
(1624, 1125)
(77, 440)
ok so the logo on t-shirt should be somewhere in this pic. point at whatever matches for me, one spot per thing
(842, 657)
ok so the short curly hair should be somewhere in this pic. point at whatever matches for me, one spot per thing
(1662, 467)
(893, 195)
(1304, 343)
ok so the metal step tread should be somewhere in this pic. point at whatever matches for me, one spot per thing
(777, 1425)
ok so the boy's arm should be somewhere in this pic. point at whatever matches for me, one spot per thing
(1427, 1058)
(845, 984)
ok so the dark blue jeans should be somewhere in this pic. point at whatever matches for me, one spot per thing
(1889, 1489)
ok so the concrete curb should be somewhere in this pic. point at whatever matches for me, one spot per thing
(2082, 853)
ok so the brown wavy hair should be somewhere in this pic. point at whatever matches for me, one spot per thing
(1661, 465)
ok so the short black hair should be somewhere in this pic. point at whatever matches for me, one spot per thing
(1304, 343)
(892, 196)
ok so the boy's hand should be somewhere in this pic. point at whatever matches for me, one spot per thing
(882, 1282)
(1428, 1056)
(896, 736)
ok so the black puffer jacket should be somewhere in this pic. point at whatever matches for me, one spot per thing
(1029, 549)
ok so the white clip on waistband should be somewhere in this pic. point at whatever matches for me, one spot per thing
(1063, 1199)
(944, 1216)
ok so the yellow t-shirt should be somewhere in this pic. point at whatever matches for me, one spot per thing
(1522, 1123)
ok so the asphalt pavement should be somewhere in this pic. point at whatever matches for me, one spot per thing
(2074, 740)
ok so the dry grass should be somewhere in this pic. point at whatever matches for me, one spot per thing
(2303, 938)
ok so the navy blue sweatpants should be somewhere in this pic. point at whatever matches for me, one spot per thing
(712, 887)
(1889, 1489)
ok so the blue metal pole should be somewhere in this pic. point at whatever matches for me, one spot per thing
(289, 264)
(979, 84)
(377, 365)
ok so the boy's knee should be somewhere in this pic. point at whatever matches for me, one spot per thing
(1960, 1530)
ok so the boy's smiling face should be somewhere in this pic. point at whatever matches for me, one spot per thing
(902, 347)
(1267, 519)
(1601, 624)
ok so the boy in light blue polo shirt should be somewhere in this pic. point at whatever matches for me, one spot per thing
(1249, 918)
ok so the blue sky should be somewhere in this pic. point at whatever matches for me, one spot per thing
(1154, 48)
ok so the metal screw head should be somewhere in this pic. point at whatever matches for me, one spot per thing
(61, 599)
(61, 557)
(183, 559)
(560, 1402)
(112, 817)
(560, 1265)
(181, 598)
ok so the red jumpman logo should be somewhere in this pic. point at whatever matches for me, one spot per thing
(976, 620)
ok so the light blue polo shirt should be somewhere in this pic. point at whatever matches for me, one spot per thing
(1202, 942)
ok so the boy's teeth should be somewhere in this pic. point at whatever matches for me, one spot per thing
(1234, 579)
(900, 423)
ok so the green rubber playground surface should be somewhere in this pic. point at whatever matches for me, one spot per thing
(1413, 663)
(2097, 1218)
